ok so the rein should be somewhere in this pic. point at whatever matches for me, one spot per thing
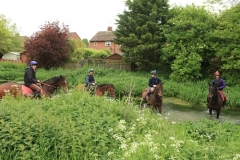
(48, 85)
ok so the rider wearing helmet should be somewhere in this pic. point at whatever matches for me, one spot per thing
(152, 83)
(30, 78)
(90, 81)
(220, 83)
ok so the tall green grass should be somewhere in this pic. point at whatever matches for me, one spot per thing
(83, 127)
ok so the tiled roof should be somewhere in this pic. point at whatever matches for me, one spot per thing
(103, 36)
(73, 35)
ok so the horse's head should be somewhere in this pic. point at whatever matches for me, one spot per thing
(159, 90)
(111, 90)
(212, 90)
(62, 83)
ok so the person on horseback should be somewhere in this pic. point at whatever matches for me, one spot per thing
(153, 81)
(90, 81)
(30, 79)
(220, 83)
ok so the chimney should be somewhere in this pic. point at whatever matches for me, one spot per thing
(109, 28)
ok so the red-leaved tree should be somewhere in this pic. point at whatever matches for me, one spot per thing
(50, 46)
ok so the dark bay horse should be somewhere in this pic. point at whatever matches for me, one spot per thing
(48, 87)
(155, 100)
(99, 90)
(214, 99)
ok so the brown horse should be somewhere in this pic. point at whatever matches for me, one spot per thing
(155, 100)
(214, 99)
(105, 88)
(48, 87)
(99, 90)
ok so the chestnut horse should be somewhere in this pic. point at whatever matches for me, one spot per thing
(48, 87)
(99, 90)
(155, 99)
(214, 99)
(105, 88)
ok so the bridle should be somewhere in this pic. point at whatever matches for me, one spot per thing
(55, 87)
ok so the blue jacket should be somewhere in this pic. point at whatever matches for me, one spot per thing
(89, 79)
(219, 83)
(153, 81)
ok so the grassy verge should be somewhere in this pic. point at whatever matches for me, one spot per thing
(78, 126)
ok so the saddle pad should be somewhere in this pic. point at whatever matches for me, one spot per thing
(223, 98)
(26, 91)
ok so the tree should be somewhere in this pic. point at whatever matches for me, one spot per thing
(77, 49)
(227, 38)
(86, 42)
(9, 37)
(189, 48)
(50, 46)
(139, 31)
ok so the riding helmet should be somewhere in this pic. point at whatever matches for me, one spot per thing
(33, 63)
(90, 70)
(217, 73)
(153, 72)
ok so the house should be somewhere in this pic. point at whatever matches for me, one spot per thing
(73, 35)
(105, 40)
(11, 56)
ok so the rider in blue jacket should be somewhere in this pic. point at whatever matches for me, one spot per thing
(90, 81)
(153, 81)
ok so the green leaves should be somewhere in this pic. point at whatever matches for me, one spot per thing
(9, 37)
(139, 31)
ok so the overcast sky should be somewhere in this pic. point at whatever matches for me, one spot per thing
(86, 17)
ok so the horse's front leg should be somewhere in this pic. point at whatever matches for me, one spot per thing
(218, 113)
(210, 112)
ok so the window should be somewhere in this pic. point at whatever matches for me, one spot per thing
(107, 43)
(95, 43)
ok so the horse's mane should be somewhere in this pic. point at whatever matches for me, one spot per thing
(53, 78)
(106, 84)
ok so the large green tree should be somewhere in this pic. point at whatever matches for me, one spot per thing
(9, 37)
(140, 31)
(188, 48)
(227, 38)
(49, 46)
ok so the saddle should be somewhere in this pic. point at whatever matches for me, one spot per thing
(28, 92)
(223, 96)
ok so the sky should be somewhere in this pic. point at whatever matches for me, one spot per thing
(85, 17)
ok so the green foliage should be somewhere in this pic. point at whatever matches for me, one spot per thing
(9, 36)
(186, 67)
(188, 48)
(93, 53)
(140, 33)
(100, 54)
(88, 52)
(79, 126)
(86, 42)
(49, 47)
(227, 41)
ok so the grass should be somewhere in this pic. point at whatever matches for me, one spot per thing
(78, 126)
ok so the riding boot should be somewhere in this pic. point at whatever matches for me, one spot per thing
(148, 95)
(36, 94)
